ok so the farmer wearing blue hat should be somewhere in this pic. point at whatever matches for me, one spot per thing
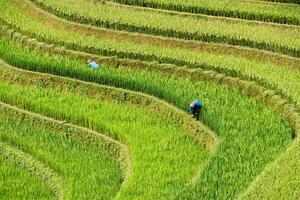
(92, 64)
(194, 108)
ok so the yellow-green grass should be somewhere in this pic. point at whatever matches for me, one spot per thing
(282, 1)
(87, 171)
(164, 158)
(17, 183)
(65, 34)
(272, 171)
(280, 180)
(250, 10)
(194, 46)
(34, 167)
(221, 104)
(163, 41)
(284, 39)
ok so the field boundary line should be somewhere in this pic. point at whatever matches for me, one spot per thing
(268, 167)
(171, 33)
(153, 104)
(273, 99)
(34, 167)
(271, 2)
(199, 15)
(135, 63)
(268, 97)
(158, 67)
(124, 157)
(278, 100)
(200, 125)
(117, 60)
(244, 51)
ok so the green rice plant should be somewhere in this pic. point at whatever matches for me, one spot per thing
(83, 167)
(284, 39)
(16, 183)
(284, 1)
(238, 171)
(283, 174)
(179, 156)
(221, 103)
(265, 73)
(250, 10)
(211, 61)
(34, 167)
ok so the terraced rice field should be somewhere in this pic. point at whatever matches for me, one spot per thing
(123, 131)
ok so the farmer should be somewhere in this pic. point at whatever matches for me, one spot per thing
(195, 108)
(92, 64)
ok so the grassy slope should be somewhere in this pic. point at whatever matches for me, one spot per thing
(291, 86)
(180, 157)
(280, 180)
(163, 41)
(256, 32)
(288, 81)
(221, 103)
(87, 171)
(16, 183)
(233, 8)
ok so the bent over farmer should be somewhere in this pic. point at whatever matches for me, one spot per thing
(195, 108)
(92, 64)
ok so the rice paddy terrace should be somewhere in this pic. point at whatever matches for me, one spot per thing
(123, 132)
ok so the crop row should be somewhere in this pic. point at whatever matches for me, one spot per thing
(230, 62)
(35, 167)
(221, 77)
(207, 30)
(110, 147)
(230, 65)
(190, 45)
(109, 60)
(284, 1)
(135, 64)
(174, 94)
(283, 174)
(222, 63)
(19, 171)
(243, 10)
(18, 36)
(178, 160)
(206, 139)
(169, 70)
(65, 153)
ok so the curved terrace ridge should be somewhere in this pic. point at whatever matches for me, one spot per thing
(170, 42)
(273, 85)
(252, 70)
(208, 31)
(261, 11)
(128, 95)
(112, 148)
(249, 65)
(34, 167)
(241, 88)
(115, 149)
(263, 73)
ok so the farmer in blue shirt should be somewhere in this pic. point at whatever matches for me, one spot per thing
(92, 64)
(194, 108)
